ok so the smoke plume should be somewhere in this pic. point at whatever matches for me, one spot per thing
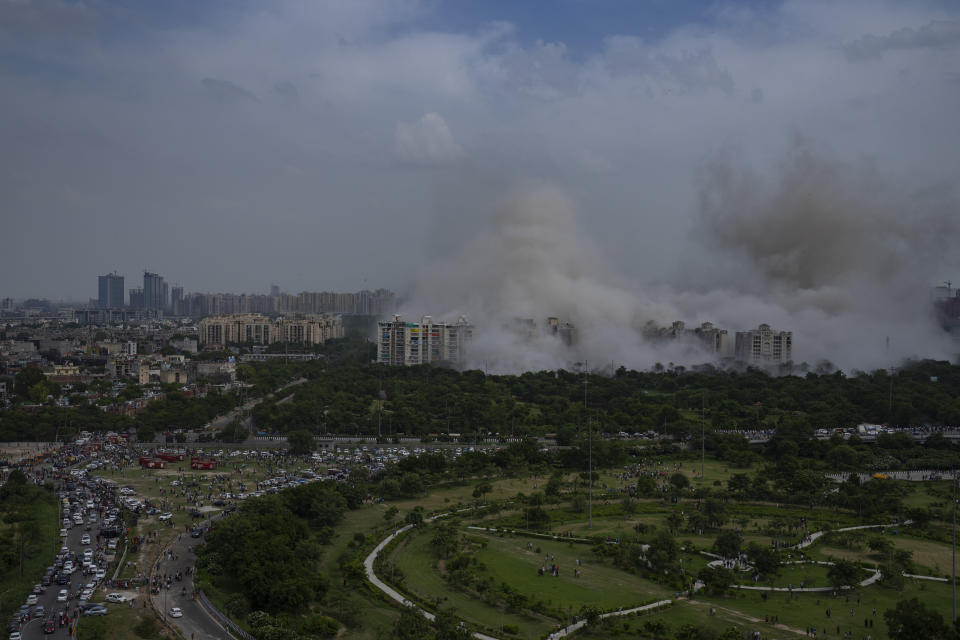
(829, 251)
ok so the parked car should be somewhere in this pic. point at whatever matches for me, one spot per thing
(62, 596)
(118, 598)
(96, 610)
(175, 612)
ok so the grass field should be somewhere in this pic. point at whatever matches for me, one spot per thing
(509, 560)
(414, 556)
(121, 621)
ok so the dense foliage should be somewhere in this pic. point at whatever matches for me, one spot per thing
(22, 525)
(268, 553)
(349, 396)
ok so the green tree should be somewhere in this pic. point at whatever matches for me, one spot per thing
(843, 573)
(646, 486)
(728, 543)
(764, 559)
(913, 620)
(679, 481)
(717, 580)
(301, 442)
(715, 512)
(739, 485)
(412, 625)
(446, 538)
(27, 378)
(663, 552)
(415, 517)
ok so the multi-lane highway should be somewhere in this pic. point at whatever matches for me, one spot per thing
(78, 563)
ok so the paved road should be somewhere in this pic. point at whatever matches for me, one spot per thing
(33, 629)
(195, 624)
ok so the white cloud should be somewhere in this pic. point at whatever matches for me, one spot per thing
(426, 141)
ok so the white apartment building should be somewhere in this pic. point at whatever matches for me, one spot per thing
(411, 343)
(763, 346)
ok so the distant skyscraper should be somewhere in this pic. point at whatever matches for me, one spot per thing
(110, 289)
(136, 298)
(176, 300)
(154, 291)
(274, 290)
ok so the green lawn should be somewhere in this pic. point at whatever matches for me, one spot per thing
(508, 560)
(414, 556)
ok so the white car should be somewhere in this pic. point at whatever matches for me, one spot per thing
(101, 574)
(85, 539)
(175, 612)
(118, 598)
(165, 516)
(85, 594)
(62, 596)
(32, 599)
(15, 635)
(63, 533)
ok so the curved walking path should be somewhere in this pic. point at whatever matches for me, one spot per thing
(806, 542)
(396, 596)
(392, 593)
(576, 626)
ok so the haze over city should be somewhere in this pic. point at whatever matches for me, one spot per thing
(613, 164)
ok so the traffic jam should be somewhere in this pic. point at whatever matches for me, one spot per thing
(90, 527)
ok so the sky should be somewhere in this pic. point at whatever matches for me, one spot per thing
(740, 162)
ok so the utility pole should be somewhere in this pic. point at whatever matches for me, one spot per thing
(953, 479)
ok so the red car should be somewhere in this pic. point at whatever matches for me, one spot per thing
(49, 626)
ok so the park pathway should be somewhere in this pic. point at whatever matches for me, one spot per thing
(392, 593)
(576, 626)
(806, 542)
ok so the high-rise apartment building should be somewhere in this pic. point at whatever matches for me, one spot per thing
(763, 346)
(136, 298)
(154, 291)
(715, 340)
(379, 303)
(411, 343)
(176, 301)
(110, 290)
(254, 328)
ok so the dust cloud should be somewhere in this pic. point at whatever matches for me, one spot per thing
(832, 252)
